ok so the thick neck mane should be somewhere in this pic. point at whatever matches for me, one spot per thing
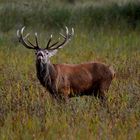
(46, 74)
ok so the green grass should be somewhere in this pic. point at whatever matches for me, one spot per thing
(27, 111)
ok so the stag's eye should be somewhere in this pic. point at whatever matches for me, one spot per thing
(47, 53)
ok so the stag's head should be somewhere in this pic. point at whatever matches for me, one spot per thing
(43, 54)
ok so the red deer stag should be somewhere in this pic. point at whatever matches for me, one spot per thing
(68, 80)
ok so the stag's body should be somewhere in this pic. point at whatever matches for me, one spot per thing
(67, 80)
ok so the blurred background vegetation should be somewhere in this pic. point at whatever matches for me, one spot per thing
(58, 13)
(106, 31)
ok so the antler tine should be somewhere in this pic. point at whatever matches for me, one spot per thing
(18, 33)
(53, 44)
(31, 43)
(72, 33)
(67, 30)
(22, 33)
(36, 40)
(22, 39)
(47, 47)
(26, 36)
(22, 30)
(62, 35)
(66, 37)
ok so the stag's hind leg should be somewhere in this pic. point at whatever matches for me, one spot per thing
(103, 88)
(96, 91)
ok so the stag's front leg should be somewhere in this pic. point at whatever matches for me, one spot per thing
(104, 87)
(56, 99)
(64, 94)
(60, 97)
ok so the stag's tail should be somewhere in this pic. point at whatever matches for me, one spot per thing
(112, 71)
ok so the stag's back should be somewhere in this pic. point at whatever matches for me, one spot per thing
(82, 77)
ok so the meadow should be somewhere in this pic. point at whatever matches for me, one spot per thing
(27, 112)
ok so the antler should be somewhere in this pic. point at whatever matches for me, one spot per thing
(66, 37)
(22, 40)
(48, 47)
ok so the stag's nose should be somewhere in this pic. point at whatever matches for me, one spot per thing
(40, 55)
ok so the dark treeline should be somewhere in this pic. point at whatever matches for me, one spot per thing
(44, 15)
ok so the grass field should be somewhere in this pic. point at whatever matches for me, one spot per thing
(26, 109)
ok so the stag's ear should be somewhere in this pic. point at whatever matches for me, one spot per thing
(52, 53)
